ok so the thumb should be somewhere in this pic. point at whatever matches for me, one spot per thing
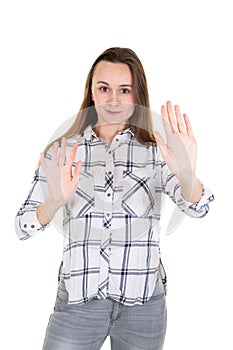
(162, 145)
(77, 172)
(159, 138)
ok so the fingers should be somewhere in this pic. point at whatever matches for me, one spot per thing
(72, 154)
(158, 137)
(43, 162)
(62, 152)
(166, 121)
(59, 157)
(175, 122)
(55, 153)
(180, 120)
(171, 117)
(188, 125)
(77, 172)
(162, 145)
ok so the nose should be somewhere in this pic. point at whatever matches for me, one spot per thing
(114, 98)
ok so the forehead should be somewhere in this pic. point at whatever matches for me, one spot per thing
(112, 72)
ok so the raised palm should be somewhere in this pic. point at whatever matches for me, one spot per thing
(62, 182)
(180, 151)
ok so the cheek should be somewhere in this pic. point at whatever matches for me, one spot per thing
(98, 98)
(129, 108)
(94, 95)
(131, 99)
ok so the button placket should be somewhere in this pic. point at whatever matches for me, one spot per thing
(109, 170)
(106, 230)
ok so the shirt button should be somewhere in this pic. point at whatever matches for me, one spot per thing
(32, 226)
(110, 152)
(108, 214)
(117, 139)
(108, 194)
(109, 172)
(25, 225)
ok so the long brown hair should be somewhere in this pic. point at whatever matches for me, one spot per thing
(140, 121)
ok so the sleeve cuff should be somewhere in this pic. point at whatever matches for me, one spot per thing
(199, 208)
(30, 224)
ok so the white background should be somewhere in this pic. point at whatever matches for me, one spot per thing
(47, 48)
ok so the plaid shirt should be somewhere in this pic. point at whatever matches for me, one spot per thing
(111, 226)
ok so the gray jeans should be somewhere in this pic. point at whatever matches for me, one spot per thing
(86, 326)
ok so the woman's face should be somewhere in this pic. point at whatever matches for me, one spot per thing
(112, 92)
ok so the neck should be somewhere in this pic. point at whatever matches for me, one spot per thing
(109, 131)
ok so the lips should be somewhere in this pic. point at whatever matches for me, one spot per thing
(113, 112)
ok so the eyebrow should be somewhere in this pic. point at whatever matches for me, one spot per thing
(104, 82)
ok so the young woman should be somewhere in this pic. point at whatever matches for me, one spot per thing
(108, 172)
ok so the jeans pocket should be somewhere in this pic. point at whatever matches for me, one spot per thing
(61, 291)
(61, 302)
(62, 294)
(163, 276)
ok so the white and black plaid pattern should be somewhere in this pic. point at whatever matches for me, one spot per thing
(111, 226)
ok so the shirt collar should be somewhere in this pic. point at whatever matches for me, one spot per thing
(89, 132)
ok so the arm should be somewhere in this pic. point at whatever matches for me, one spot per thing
(179, 178)
(51, 188)
(191, 187)
(26, 220)
(46, 211)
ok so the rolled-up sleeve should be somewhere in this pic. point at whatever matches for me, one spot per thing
(26, 220)
(171, 187)
(198, 209)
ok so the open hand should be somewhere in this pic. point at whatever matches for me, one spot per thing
(62, 183)
(180, 151)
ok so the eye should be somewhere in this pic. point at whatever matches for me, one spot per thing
(104, 89)
(125, 91)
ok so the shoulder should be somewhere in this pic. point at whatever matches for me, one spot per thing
(78, 138)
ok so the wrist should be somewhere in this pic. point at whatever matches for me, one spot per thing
(186, 176)
(51, 206)
(191, 187)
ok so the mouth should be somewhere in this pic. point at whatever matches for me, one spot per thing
(113, 112)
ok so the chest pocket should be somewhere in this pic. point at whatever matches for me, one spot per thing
(137, 198)
(83, 201)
